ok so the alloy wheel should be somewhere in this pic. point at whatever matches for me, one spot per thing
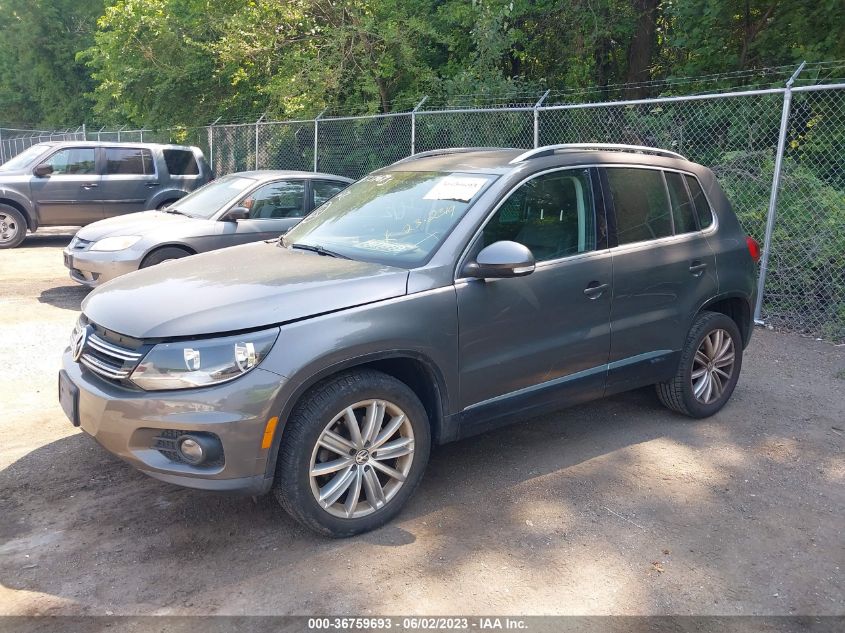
(362, 459)
(8, 228)
(713, 366)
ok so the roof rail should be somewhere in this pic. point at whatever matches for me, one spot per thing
(449, 150)
(549, 150)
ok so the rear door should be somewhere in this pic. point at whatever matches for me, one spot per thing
(544, 337)
(274, 209)
(70, 195)
(663, 271)
(129, 179)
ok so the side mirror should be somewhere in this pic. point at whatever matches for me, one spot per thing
(43, 170)
(500, 260)
(236, 213)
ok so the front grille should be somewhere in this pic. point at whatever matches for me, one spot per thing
(106, 358)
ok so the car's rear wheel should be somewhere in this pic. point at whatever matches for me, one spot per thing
(163, 255)
(709, 368)
(12, 227)
(352, 453)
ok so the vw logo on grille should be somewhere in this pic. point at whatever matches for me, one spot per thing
(78, 343)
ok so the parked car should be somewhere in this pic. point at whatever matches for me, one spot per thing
(439, 297)
(74, 183)
(236, 209)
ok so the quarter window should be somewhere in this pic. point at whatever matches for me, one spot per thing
(552, 215)
(129, 161)
(702, 208)
(284, 199)
(181, 162)
(642, 208)
(73, 161)
(682, 210)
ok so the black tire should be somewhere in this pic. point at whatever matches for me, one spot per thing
(12, 225)
(163, 205)
(315, 410)
(678, 394)
(163, 255)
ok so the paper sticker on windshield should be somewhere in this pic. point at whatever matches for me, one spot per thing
(460, 188)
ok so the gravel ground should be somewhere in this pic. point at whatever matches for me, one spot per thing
(616, 507)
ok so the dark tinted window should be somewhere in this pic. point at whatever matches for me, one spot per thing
(552, 215)
(681, 206)
(181, 162)
(702, 208)
(129, 161)
(285, 199)
(323, 190)
(73, 161)
(642, 208)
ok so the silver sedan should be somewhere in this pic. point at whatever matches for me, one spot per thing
(235, 209)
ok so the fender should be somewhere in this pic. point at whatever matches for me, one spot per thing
(22, 203)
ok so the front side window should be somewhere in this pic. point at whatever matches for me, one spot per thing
(181, 162)
(396, 217)
(129, 161)
(73, 161)
(702, 208)
(284, 199)
(552, 215)
(682, 210)
(642, 207)
(323, 190)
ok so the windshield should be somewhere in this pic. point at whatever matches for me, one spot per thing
(208, 200)
(24, 158)
(397, 218)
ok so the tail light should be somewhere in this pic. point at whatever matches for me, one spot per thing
(753, 248)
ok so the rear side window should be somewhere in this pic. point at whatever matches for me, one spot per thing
(642, 208)
(323, 190)
(129, 161)
(551, 214)
(702, 208)
(682, 210)
(181, 162)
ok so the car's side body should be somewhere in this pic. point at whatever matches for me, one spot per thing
(102, 180)
(478, 353)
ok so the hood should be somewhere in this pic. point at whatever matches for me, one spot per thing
(143, 224)
(237, 288)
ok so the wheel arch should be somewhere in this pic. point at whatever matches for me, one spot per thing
(736, 307)
(31, 224)
(158, 247)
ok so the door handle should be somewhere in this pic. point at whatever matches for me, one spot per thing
(594, 290)
(697, 268)
(90, 185)
(151, 184)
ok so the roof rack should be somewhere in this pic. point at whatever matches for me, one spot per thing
(449, 150)
(549, 150)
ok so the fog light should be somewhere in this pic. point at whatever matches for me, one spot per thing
(196, 449)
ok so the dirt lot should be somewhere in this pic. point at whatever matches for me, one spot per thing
(614, 507)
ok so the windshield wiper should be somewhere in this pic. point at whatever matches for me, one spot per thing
(176, 211)
(319, 250)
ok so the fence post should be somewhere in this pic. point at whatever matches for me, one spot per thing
(2, 150)
(84, 133)
(414, 125)
(316, 134)
(773, 197)
(260, 119)
(98, 133)
(537, 118)
(211, 144)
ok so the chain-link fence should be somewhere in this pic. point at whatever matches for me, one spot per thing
(779, 154)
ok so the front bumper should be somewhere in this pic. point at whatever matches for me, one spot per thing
(93, 268)
(126, 422)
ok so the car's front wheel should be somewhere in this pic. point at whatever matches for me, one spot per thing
(12, 227)
(709, 368)
(352, 453)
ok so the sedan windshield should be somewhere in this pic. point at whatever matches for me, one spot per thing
(24, 158)
(397, 218)
(208, 200)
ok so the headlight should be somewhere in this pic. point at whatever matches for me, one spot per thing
(117, 243)
(205, 362)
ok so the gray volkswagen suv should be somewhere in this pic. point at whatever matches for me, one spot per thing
(74, 183)
(449, 293)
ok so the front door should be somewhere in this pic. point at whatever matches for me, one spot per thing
(544, 338)
(275, 208)
(129, 180)
(70, 195)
